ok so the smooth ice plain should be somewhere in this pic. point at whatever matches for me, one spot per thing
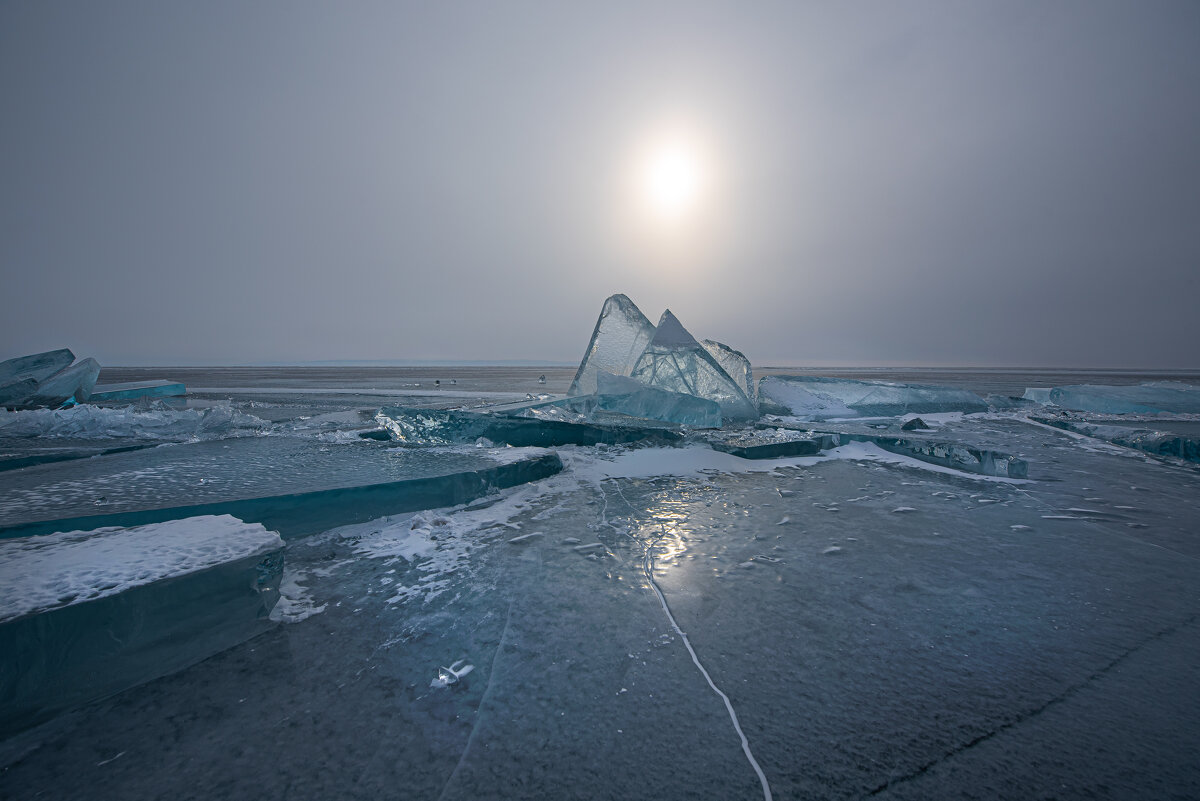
(891, 616)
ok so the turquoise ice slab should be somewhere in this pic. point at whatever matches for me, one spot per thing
(132, 390)
(75, 382)
(444, 426)
(36, 367)
(818, 398)
(57, 658)
(293, 485)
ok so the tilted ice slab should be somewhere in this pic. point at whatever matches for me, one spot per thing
(734, 363)
(816, 398)
(88, 614)
(1160, 396)
(37, 367)
(676, 362)
(622, 332)
(131, 390)
(75, 382)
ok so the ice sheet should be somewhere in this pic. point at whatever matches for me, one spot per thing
(54, 570)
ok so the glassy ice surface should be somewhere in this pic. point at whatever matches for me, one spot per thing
(676, 362)
(621, 334)
(880, 626)
(815, 398)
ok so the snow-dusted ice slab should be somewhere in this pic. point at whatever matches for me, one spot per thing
(1160, 396)
(676, 362)
(87, 614)
(55, 570)
(816, 398)
(622, 332)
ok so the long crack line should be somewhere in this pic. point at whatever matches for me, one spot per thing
(1058, 699)
(648, 567)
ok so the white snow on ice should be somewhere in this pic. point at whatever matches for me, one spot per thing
(70, 567)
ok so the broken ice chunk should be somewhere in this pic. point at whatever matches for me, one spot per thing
(734, 363)
(37, 367)
(450, 675)
(676, 362)
(14, 393)
(627, 396)
(74, 382)
(621, 334)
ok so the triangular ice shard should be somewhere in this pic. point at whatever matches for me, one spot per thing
(675, 361)
(622, 333)
(734, 363)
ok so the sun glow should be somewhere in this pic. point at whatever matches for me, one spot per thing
(672, 178)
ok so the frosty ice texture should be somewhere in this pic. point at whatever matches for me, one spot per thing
(37, 367)
(676, 362)
(734, 363)
(131, 390)
(74, 382)
(814, 398)
(1160, 396)
(621, 334)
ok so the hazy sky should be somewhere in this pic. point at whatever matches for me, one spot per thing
(915, 183)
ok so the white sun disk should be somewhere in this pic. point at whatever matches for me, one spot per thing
(672, 179)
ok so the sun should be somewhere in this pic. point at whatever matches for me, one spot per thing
(672, 178)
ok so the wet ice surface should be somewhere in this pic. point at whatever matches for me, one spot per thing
(996, 638)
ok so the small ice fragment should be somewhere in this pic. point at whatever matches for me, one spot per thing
(901, 509)
(450, 675)
(591, 546)
(832, 549)
(747, 564)
(524, 538)
(1019, 527)
(784, 521)
(572, 541)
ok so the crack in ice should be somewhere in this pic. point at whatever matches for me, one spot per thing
(648, 568)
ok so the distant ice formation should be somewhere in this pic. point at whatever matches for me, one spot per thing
(662, 362)
(50, 379)
(814, 398)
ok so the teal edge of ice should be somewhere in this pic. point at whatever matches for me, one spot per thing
(57, 659)
(304, 513)
(132, 390)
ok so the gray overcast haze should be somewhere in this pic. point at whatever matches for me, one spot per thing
(945, 183)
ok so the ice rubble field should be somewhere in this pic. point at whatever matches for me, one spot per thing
(880, 626)
(999, 601)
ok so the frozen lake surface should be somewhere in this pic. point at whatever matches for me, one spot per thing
(656, 622)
